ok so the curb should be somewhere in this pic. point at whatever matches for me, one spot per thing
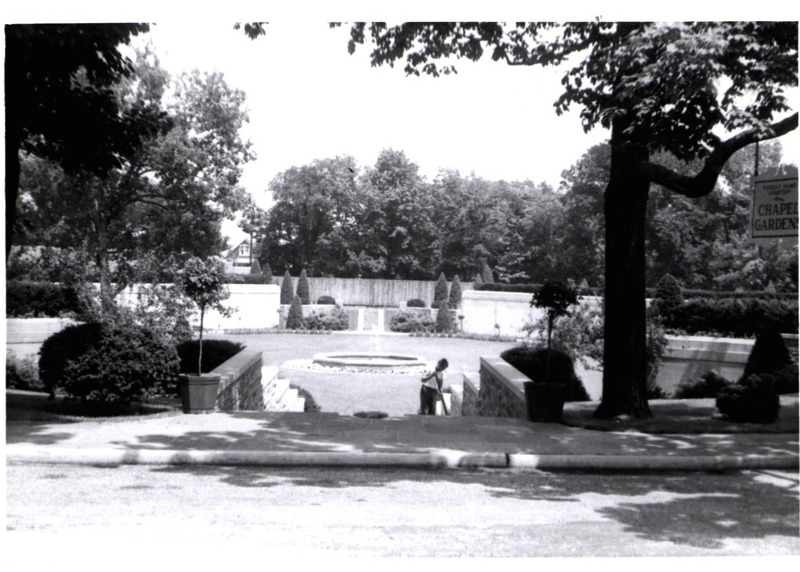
(439, 460)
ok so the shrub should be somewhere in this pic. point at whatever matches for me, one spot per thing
(287, 292)
(783, 381)
(769, 353)
(337, 320)
(748, 403)
(486, 274)
(295, 319)
(477, 282)
(668, 296)
(127, 363)
(63, 347)
(40, 299)
(267, 274)
(302, 288)
(532, 362)
(415, 303)
(326, 300)
(734, 317)
(444, 319)
(440, 292)
(255, 267)
(455, 293)
(23, 373)
(709, 385)
(310, 405)
(413, 321)
(215, 353)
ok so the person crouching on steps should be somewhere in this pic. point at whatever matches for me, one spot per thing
(431, 388)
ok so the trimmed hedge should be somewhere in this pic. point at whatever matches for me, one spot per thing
(532, 361)
(416, 303)
(215, 353)
(412, 322)
(39, 299)
(750, 403)
(326, 300)
(338, 319)
(733, 317)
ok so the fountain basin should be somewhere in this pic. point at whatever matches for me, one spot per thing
(367, 360)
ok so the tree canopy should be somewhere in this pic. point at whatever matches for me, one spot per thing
(695, 91)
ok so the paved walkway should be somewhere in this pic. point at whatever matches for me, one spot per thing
(294, 439)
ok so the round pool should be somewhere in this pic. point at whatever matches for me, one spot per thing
(367, 360)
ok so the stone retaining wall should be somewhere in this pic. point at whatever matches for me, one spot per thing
(501, 392)
(240, 386)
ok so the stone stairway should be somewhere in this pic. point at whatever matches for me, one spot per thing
(278, 396)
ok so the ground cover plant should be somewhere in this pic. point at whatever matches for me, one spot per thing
(557, 367)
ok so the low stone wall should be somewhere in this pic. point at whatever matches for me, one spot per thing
(24, 336)
(470, 393)
(501, 392)
(240, 386)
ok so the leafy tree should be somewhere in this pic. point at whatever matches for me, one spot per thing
(658, 87)
(440, 291)
(302, 288)
(60, 100)
(313, 221)
(203, 282)
(287, 291)
(166, 197)
(555, 298)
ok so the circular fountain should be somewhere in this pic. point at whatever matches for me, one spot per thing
(368, 360)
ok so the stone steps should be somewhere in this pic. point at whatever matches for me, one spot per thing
(278, 396)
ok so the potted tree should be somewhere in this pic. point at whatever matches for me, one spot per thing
(203, 282)
(545, 397)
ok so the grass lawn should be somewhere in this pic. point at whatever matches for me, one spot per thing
(395, 394)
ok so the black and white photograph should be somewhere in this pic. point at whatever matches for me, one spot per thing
(348, 284)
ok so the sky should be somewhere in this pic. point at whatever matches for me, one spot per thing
(309, 99)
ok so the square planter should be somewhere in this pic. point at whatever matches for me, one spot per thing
(545, 401)
(198, 392)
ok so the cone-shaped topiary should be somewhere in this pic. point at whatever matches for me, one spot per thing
(287, 292)
(455, 293)
(769, 353)
(302, 288)
(668, 296)
(268, 277)
(255, 268)
(477, 281)
(295, 319)
(486, 274)
(444, 321)
(440, 291)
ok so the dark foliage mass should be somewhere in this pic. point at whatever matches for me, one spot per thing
(532, 361)
(215, 353)
(40, 299)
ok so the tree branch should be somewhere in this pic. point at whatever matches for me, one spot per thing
(703, 182)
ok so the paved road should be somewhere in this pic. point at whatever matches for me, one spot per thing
(303, 513)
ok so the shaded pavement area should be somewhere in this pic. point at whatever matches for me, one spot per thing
(678, 430)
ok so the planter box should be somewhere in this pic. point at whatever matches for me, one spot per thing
(198, 393)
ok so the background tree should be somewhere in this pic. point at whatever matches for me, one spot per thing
(657, 87)
(168, 196)
(60, 102)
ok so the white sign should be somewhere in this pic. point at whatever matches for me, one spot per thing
(774, 208)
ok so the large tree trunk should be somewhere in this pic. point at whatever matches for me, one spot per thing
(624, 357)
